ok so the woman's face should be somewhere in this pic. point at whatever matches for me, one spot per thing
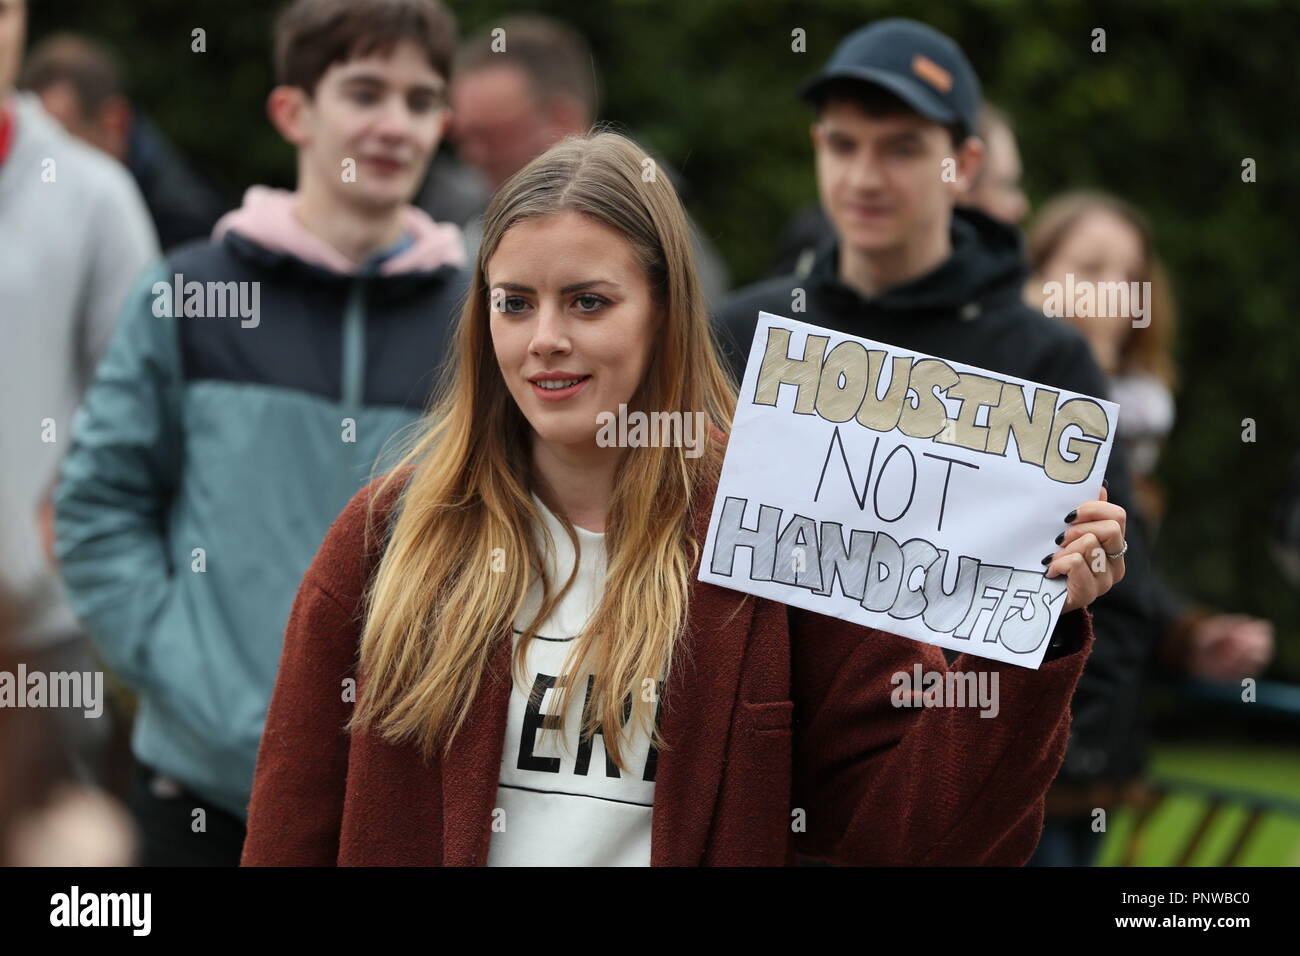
(572, 322)
(1100, 247)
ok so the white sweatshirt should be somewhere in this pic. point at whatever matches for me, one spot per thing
(559, 804)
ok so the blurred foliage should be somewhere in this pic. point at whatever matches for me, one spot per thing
(1185, 90)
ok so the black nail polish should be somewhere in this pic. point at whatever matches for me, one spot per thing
(1071, 516)
(1060, 538)
(1105, 484)
(1047, 560)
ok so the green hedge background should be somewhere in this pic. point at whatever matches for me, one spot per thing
(1185, 91)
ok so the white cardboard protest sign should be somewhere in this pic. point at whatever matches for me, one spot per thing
(902, 492)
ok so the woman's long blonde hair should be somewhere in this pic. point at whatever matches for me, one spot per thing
(461, 549)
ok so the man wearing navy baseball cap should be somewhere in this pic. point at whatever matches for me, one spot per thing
(895, 144)
(921, 66)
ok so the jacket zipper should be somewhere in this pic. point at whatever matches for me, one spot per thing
(354, 347)
(353, 384)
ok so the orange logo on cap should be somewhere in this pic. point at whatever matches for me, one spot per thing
(932, 73)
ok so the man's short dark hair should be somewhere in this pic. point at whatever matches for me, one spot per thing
(92, 71)
(313, 35)
(876, 102)
(554, 57)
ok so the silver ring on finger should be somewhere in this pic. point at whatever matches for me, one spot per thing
(1122, 551)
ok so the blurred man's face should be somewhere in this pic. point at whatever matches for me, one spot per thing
(998, 190)
(385, 113)
(13, 33)
(62, 102)
(107, 131)
(500, 125)
(881, 179)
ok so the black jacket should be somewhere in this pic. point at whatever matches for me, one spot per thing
(181, 203)
(969, 309)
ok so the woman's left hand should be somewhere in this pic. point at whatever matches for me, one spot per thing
(1090, 553)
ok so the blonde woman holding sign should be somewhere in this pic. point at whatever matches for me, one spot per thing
(502, 654)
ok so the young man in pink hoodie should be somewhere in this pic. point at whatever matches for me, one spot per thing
(255, 382)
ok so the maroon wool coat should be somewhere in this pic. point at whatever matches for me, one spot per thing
(774, 709)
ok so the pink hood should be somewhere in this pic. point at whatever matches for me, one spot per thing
(267, 217)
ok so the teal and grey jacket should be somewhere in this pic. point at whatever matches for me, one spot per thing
(210, 457)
